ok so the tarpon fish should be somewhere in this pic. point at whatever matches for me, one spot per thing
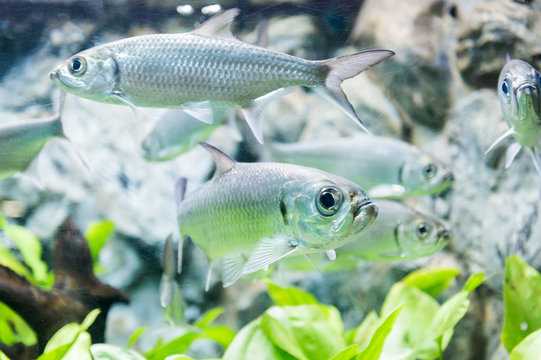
(177, 132)
(206, 65)
(250, 215)
(399, 232)
(519, 90)
(21, 141)
(385, 167)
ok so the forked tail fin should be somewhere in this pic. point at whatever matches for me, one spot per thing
(345, 67)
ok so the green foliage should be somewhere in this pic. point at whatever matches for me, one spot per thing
(528, 348)
(97, 234)
(110, 352)
(135, 336)
(14, 329)
(433, 281)
(290, 296)
(522, 296)
(3, 356)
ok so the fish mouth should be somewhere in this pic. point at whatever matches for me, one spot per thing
(53, 75)
(444, 235)
(528, 99)
(366, 208)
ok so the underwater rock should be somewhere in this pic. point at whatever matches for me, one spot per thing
(75, 293)
(417, 78)
(487, 31)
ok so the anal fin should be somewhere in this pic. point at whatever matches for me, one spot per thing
(202, 111)
(266, 252)
(231, 269)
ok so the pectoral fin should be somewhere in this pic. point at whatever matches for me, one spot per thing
(231, 269)
(331, 254)
(511, 153)
(202, 111)
(267, 251)
(509, 132)
(536, 159)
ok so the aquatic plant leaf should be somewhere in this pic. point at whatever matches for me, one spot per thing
(61, 342)
(528, 348)
(432, 281)
(208, 318)
(374, 348)
(521, 294)
(135, 336)
(110, 352)
(289, 296)
(474, 281)
(250, 340)
(364, 331)
(347, 354)
(8, 260)
(305, 331)
(220, 334)
(30, 248)
(178, 357)
(78, 349)
(97, 234)
(3, 356)
(173, 347)
(13, 329)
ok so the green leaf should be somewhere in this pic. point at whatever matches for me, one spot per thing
(432, 281)
(110, 352)
(13, 328)
(78, 349)
(290, 296)
(252, 340)
(347, 354)
(208, 318)
(521, 294)
(30, 248)
(8, 260)
(474, 281)
(97, 234)
(220, 334)
(135, 336)
(305, 331)
(364, 331)
(528, 348)
(3, 356)
(173, 347)
(178, 357)
(374, 348)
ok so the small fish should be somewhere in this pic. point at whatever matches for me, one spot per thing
(519, 90)
(22, 141)
(399, 232)
(170, 295)
(250, 215)
(207, 65)
(177, 132)
(386, 168)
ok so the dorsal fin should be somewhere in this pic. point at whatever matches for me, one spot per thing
(223, 161)
(218, 26)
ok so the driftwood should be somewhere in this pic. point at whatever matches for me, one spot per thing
(76, 292)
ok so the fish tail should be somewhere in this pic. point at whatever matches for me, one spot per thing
(344, 67)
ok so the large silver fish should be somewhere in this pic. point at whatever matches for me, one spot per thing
(519, 90)
(205, 65)
(385, 167)
(399, 232)
(251, 215)
(22, 141)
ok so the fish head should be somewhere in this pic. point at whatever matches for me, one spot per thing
(420, 235)
(423, 174)
(91, 74)
(325, 213)
(519, 88)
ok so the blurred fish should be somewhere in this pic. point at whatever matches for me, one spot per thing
(399, 232)
(206, 65)
(519, 88)
(386, 168)
(251, 215)
(170, 296)
(22, 141)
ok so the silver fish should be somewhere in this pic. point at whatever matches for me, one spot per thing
(22, 141)
(206, 65)
(399, 232)
(519, 91)
(170, 295)
(251, 215)
(385, 167)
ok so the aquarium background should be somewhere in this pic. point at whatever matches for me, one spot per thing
(438, 92)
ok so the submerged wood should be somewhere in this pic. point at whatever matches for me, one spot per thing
(75, 293)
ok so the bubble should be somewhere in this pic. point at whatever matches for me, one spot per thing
(524, 326)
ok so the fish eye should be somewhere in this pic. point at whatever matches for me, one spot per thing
(423, 230)
(77, 66)
(505, 90)
(329, 200)
(429, 171)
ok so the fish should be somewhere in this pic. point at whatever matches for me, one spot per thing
(385, 167)
(250, 215)
(398, 233)
(170, 295)
(177, 132)
(207, 65)
(519, 87)
(21, 141)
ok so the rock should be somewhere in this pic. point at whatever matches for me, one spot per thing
(418, 76)
(486, 31)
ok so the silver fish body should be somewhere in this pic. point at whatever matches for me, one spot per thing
(21, 141)
(253, 214)
(205, 65)
(386, 168)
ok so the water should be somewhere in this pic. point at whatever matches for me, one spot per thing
(438, 93)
